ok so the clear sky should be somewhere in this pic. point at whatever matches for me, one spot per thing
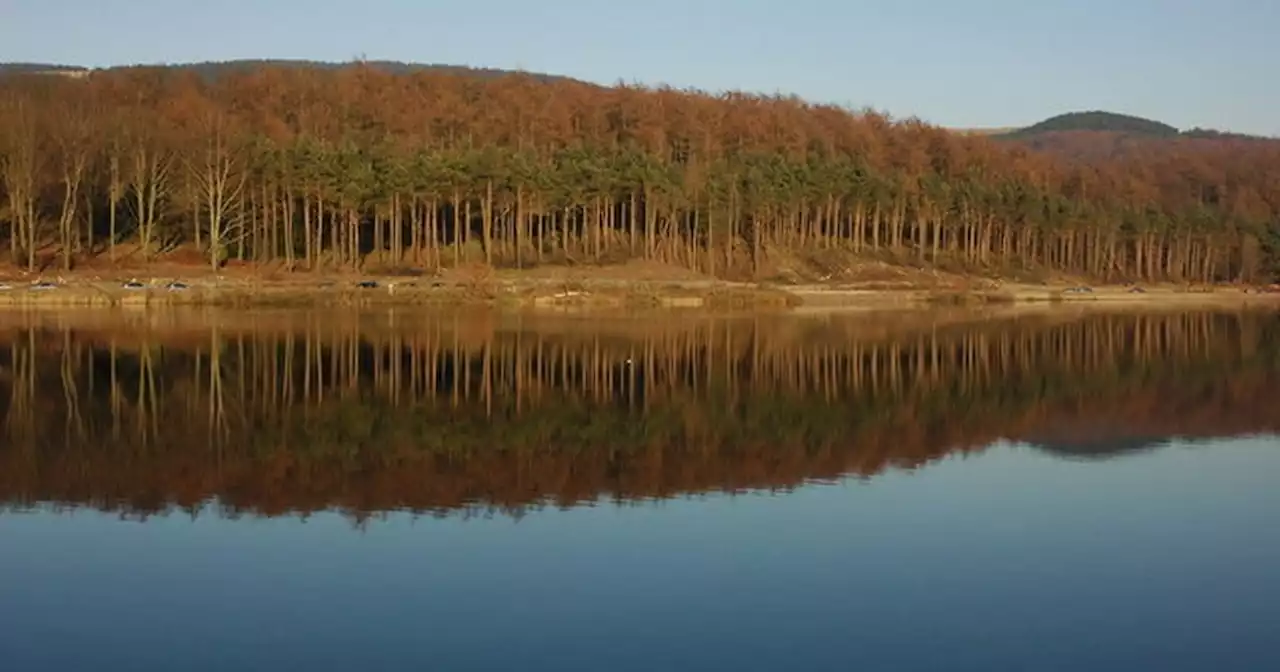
(1213, 63)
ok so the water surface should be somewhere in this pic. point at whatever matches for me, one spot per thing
(458, 492)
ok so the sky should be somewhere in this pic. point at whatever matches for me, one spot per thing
(957, 63)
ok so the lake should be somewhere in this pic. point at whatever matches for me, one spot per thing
(267, 490)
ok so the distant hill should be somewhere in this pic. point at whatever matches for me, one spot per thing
(214, 69)
(36, 67)
(1098, 135)
(41, 69)
(985, 131)
(1109, 122)
(1210, 134)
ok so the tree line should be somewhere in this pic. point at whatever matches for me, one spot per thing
(361, 168)
(440, 417)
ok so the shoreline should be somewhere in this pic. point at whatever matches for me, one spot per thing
(582, 291)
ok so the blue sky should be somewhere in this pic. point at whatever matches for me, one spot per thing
(1211, 63)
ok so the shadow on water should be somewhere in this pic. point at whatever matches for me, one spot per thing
(276, 413)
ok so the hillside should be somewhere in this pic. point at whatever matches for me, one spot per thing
(1071, 128)
(42, 69)
(215, 69)
(1109, 122)
(1100, 136)
(1114, 123)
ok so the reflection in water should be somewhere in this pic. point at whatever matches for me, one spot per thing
(274, 413)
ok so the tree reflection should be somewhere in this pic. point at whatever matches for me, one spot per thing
(464, 413)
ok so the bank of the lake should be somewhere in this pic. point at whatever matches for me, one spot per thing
(586, 291)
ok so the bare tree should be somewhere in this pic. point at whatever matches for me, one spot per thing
(218, 172)
(148, 185)
(20, 163)
(73, 141)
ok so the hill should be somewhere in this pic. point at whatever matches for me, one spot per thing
(1045, 135)
(1095, 121)
(1100, 136)
(1111, 122)
(41, 69)
(214, 69)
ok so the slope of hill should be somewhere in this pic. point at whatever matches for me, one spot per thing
(1096, 121)
(1096, 135)
(213, 69)
(1081, 127)
(40, 69)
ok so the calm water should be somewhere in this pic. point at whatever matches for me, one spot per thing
(470, 492)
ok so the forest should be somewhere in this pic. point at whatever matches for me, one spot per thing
(461, 413)
(370, 169)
